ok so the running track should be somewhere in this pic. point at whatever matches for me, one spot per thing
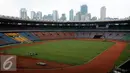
(101, 64)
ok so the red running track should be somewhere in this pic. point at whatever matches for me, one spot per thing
(101, 64)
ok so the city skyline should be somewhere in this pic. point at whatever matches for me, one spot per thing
(81, 15)
(115, 8)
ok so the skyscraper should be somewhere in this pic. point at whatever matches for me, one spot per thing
(39, 15)
(23, 13)
(78, 16)
(50, 17)
(63, 17)
(88, 17)
(83, 17)
(71, 15)
(55, 15)
(84, 9)
(103, 13)
(33, 15)
(45, 17)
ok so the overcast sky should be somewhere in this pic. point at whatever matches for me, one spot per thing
(115, 8)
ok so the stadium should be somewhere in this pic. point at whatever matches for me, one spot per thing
(66, 47)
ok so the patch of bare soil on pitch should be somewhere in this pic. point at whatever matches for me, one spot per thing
(129, 51)
(30, 63)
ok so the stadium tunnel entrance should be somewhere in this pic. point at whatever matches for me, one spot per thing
(98, 36)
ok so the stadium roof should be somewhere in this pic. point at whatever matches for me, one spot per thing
(19, 20)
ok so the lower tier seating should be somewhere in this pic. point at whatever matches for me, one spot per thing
(27, 37)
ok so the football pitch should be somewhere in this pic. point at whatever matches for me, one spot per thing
(73, 52)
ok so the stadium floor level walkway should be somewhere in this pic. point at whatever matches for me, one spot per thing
(103, 63)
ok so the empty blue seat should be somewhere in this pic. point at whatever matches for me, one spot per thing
(7, 39)
(29, 36)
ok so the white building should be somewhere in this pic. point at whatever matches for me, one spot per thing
(23, 13)
(45, 17)
(33, 15)
(55, 15)
(78, 16)
(71, 15)
(83, 17)
(103, 13)
(50, 17)
(88, 17)
(63, 17)
(39, 15)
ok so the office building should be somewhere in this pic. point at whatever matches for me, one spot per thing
(55, 15)
(103, 13)
(23, 13)
(39, 15)
(84, 9)
(71, 15)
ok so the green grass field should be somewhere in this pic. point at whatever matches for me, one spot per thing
(73, 52)
(125, 55)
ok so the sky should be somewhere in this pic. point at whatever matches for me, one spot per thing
(114, 8)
